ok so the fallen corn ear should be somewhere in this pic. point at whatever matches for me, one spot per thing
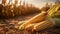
(42, 25)
(29, 27)
(52, 10)
(21, 22)
(35, 19)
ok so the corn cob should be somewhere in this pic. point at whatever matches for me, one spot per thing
(52, 10)
(29, 27)
(21, 22)
(47, 23)
(35, 19)
(42, 25)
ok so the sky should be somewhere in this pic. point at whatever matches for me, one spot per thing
(38, 3)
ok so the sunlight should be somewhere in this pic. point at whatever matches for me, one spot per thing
(19, 2)
(13, 1)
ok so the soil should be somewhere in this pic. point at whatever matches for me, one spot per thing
(9, 26)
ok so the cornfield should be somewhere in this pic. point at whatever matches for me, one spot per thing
(29, 19)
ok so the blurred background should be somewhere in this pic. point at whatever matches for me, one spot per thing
(21, 10)
(12, 8)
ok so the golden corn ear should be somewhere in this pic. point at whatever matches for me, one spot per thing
(29, 27)
(34, 19)
(52, 10)
(42, 25)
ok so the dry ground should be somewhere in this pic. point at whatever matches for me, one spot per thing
(7, 26)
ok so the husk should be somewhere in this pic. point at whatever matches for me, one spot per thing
(56, 21)
(54, 15)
